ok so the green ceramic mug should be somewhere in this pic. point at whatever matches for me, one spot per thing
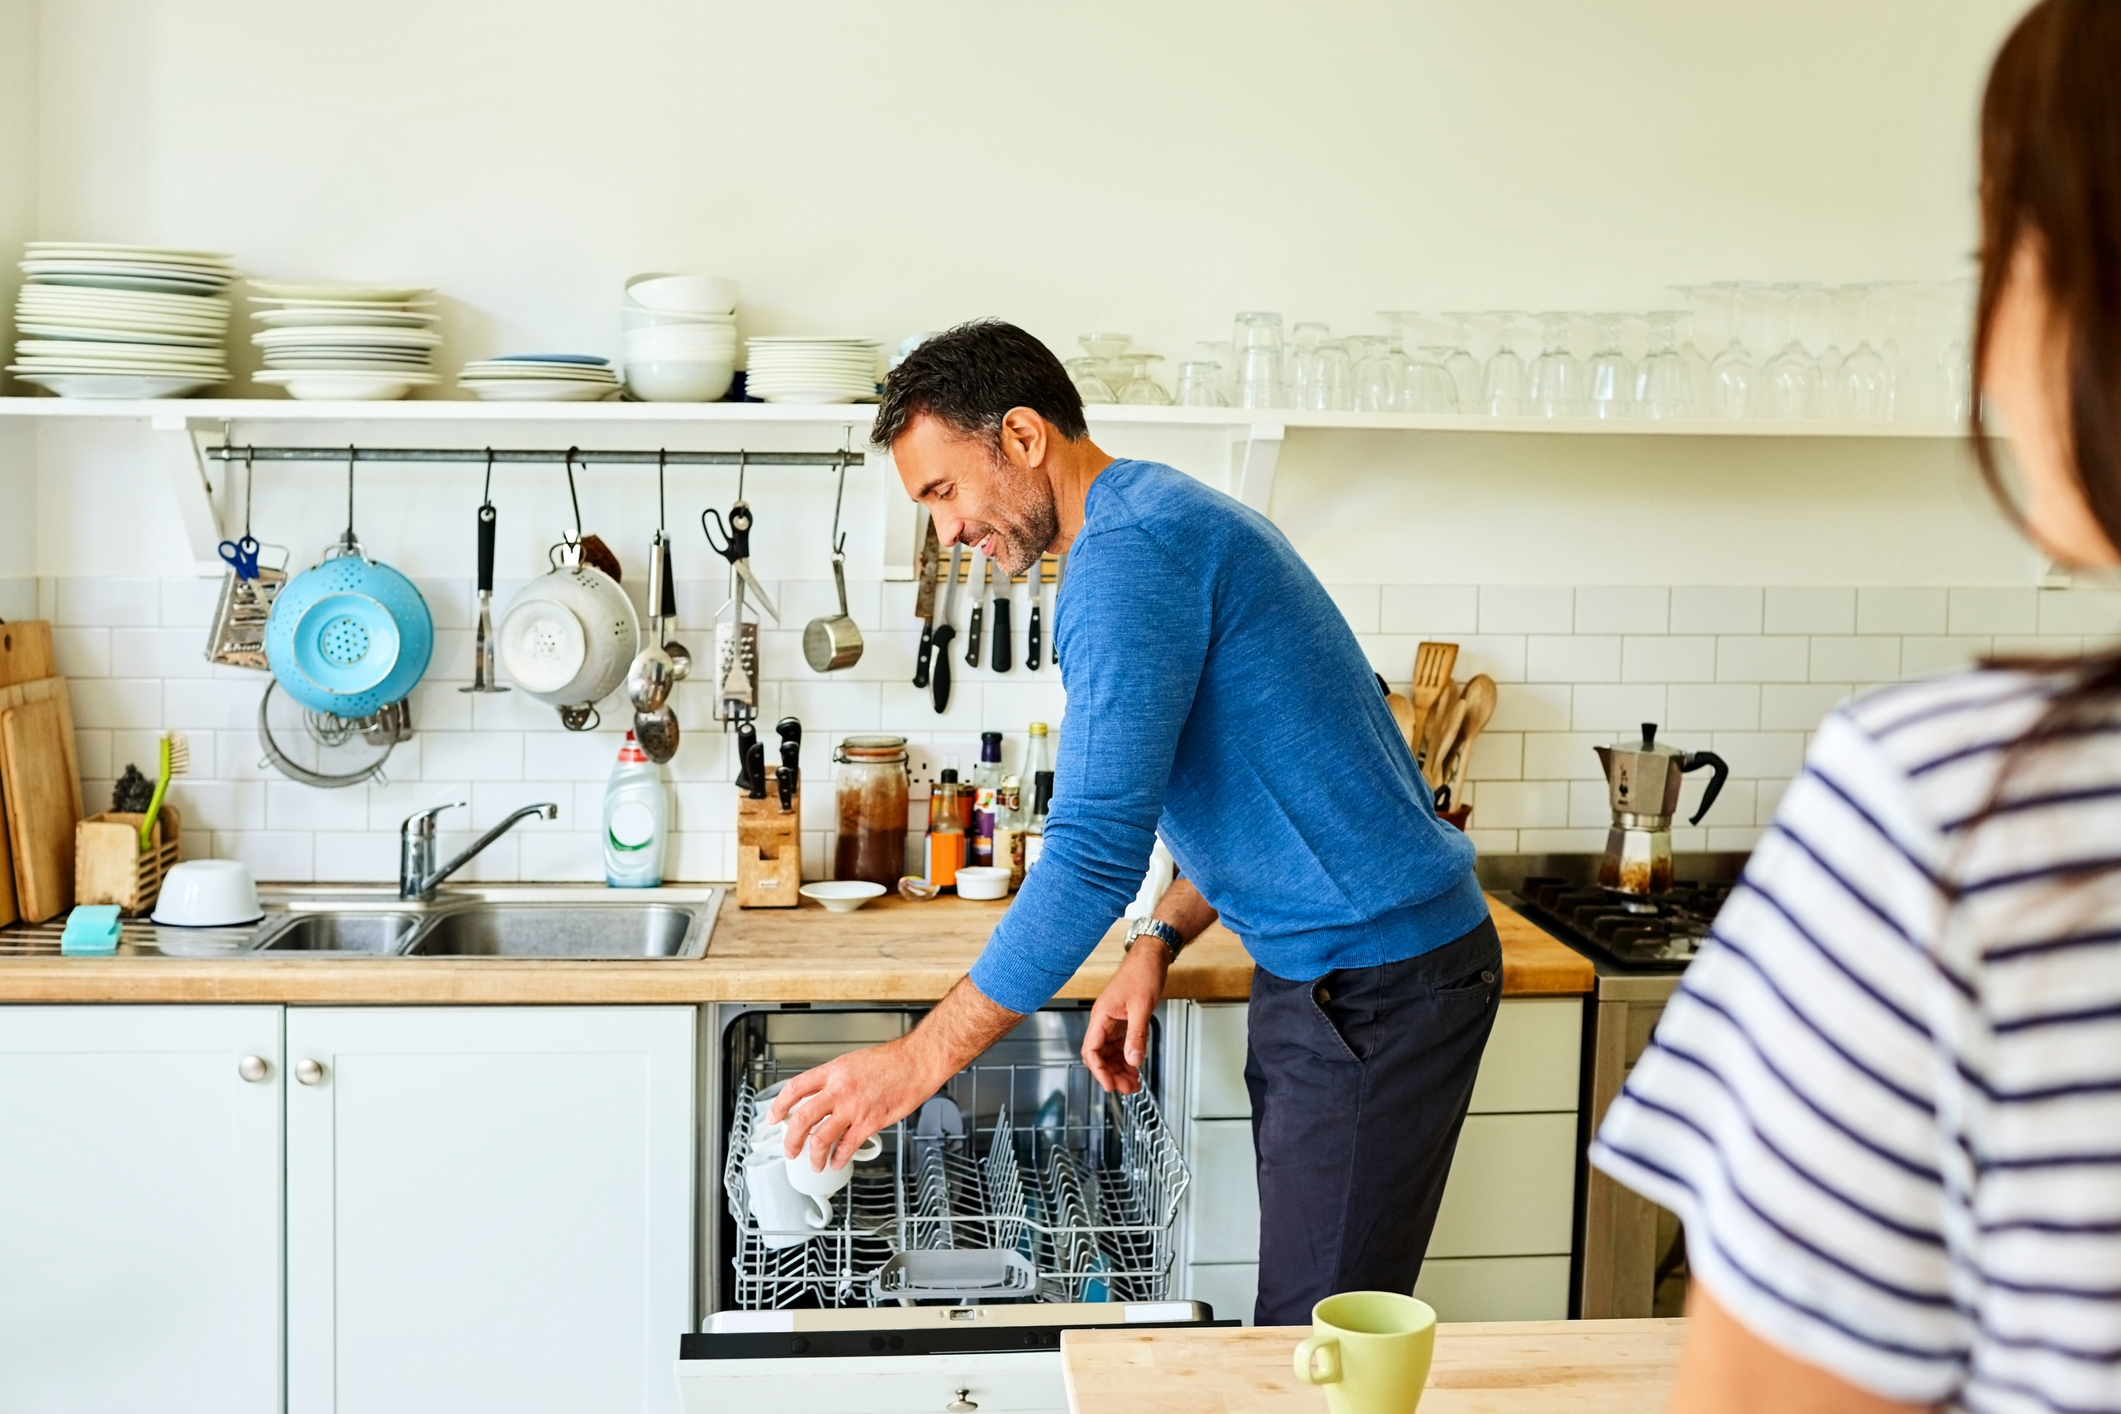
(1370, 1350)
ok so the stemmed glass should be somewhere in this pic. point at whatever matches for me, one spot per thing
(1791, 377)
(1664, 386)
(1557, 383)
(1502, 383)
(1612, 377)
(1427, 385)
(1140, 390)
(1199, 384)
(1088, 377)
(1732, 375)
(1376, 377)
(1863, 383)
(1459, 361)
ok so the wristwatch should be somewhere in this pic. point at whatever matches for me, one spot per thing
(1157, 928)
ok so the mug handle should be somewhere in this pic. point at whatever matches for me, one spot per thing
(820, 1213)
(1318, 1360)
(870, 1148)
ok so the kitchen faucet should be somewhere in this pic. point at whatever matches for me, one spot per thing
(417, 875)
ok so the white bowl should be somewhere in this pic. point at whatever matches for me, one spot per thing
(633, 316)
(680, 380)
(683, 294)
(983, 881)
(208, 893)
(842, 895)
(680, 343)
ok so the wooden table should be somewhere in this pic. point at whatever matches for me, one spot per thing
(1498, 1367)
(890, 951)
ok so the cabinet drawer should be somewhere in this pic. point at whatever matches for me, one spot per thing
(1231, 1288)
(1222, 1205)
(1219, 1063)
(1512, 1190)
(1533, 1057)
(1496, 1288)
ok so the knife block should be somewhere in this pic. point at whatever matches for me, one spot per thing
(769, 850)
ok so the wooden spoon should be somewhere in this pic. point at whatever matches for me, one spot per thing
(1432, 672)
(1479, 704)
(1445, 718)
(1403, 714)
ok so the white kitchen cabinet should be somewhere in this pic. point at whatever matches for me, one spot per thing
(140, 1209)
(1503, 1233)
(489, 1209)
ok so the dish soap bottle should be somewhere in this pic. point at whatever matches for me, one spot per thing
(636, 820)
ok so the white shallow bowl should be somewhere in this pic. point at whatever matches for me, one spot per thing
(208, 893)
(325, 385)
(983, 881)
(118, 385)
(842, 895)
(538, 390)
(683, 294)
(680, 380)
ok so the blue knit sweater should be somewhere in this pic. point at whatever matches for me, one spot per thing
(1216, 695)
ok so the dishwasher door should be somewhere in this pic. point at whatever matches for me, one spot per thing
(1021, 1153)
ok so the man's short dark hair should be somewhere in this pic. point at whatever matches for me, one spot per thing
(971, 376)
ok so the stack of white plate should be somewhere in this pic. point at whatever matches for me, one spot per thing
(540, 378)
(793, 368)
(121, 321)
(358, 342)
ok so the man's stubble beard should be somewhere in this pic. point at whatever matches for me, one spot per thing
(1033, 523)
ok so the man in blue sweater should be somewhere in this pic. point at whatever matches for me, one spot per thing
(1215, 696)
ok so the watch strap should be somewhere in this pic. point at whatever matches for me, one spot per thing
(1157, 928)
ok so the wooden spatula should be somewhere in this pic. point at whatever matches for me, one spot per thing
(1432, 670)
(1479, 705)
(1432, 749)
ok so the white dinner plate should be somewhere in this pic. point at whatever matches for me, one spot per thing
(208, 356)
(534, 390)
(145, 284)
(384, 316)
(816, 339)
(55, 364)
(312, 292)
(379, 335)
(118, 385)
(100, 250)
(115, 334)
(346, 365)
(810, 396)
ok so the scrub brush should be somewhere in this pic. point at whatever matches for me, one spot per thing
(174, 752)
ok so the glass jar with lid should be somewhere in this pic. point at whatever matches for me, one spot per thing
(872, 791)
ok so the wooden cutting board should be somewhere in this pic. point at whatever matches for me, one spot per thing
(42, 796)
(25, 651)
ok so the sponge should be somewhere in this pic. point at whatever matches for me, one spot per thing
(91, 930)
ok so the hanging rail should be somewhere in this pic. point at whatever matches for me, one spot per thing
(480, 456)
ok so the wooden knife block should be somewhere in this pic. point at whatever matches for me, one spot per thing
(110, 866)
(769, 850)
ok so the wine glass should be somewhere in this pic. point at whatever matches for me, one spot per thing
(1502, 382)
(1612, 377)
(1664, 385)
(1557, 384)
(1199, 384)
(1376, 376)
(1427, 384)
(1139, 389)
(1732, 375)
(1863, 381)
(1088, 376)
(1790, 380)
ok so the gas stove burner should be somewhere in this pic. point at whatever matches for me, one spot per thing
(1663, 931)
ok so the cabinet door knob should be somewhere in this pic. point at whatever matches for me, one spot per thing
(961, 1404)
(309, 1072)
(253, 1068)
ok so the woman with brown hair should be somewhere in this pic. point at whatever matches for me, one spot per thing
(1886, 1101)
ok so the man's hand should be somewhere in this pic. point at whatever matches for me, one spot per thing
(836, 1106)
(1118, 1038)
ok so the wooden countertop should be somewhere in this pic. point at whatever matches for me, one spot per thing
(891, 950)
(1501, 1367)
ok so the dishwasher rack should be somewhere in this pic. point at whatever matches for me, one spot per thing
(1087, 1193)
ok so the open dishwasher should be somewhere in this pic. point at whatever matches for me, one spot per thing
(1020, 1201)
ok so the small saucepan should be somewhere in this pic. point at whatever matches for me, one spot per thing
(834, 642)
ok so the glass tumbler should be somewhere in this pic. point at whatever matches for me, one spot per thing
(1298, 364)
(1257, 339)
(1199, 384)
(1376, 376)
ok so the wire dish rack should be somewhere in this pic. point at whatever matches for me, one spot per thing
(1086, 1193)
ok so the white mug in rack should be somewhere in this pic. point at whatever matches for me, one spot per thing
(823, 1183)
(785, 1217)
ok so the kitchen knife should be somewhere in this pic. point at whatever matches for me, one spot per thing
(1035, 637)
(924, 599)
(747, 736)
(791, 750)
(784, 781)
(789, 729)
(756, 769)
(944, 632)
(998, 630)
(979, 607)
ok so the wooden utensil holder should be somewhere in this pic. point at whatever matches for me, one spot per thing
(769, 850)
(110, 866)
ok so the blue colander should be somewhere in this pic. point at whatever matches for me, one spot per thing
(349, 636)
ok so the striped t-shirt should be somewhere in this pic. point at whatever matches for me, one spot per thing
(1886, 1099)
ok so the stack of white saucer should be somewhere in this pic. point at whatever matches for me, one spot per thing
(540, 378)
(121, 321)
(367, 343)
(795, 368)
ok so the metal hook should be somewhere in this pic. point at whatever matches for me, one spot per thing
(662, 509)
(839, 541)
(486, 496)
(351, 451)
(576, 500)
(250, 484)
(743, 459)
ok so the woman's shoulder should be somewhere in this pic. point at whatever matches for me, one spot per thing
(1953, 726)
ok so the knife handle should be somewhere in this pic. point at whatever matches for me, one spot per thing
(972, 638)
(1036, 639)
(920, 665)
(487, 517)
(1001, 634)
(943, 634)
(758, 770)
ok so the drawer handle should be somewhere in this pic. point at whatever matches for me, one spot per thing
(309, 1072)
(961, 1405)
(253, 1068)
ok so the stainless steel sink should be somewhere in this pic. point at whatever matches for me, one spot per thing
(555, 930)
(368, 934)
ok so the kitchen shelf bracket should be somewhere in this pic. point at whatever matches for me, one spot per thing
(186, 444)
(1254, 452)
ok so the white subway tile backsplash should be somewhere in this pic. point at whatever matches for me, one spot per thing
(212, 704)
(283, 856)
(190, 603)
(473, 756)
(1735, 839)
(117, 702)
(1617, 708)
(1571, 658)
(2037, 646)
(92, 754)
(159, 653)
(81, 652)
(1429, 610)
(290, 805)
(1522, 804)
(565, 856)
(1784, 658)
(1722, 706)
(1986, 611)
(1590, 805)
(350, 857)
(2079, 611)
(1758, 754)
(1799, 706)
(1357, 604)
(1500, 656)
(494, 801)
(1532, 707)
(1497, 756)
(1894, 610)
(1669, 659)
(1527, 608)
(1563, 756)
(1809, 610)
(1560, 841)
(1852, 659)
(1922, 657)
(1605, 608)
(1715, 609)
(108, 602)
(221, 805)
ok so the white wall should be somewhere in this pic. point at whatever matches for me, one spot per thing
(18, 215)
